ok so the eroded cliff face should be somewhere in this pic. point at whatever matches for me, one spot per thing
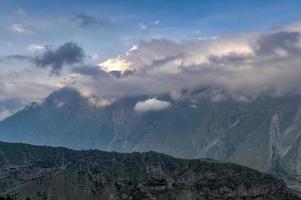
(32, 172)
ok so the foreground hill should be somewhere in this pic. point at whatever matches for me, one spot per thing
(35, 172)
(263, 134)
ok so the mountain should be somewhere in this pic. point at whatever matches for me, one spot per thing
(35, 172)
(263, 134)
(65, 118)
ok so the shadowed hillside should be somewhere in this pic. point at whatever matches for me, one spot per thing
(34, 172)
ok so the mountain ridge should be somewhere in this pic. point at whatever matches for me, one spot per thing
(253, 134)
(41, 172)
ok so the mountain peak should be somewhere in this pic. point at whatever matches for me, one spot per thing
(64, 95)
(66, 91)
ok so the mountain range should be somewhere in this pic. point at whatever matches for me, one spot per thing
(35, 172)
(263, 133)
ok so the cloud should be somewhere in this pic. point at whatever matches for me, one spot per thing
(156, 22)
(10, 106)
(88, 22)
(240, 66)
(20, 29)
(44, 56)
(143, 26)
(104, 102)
(15, 57)
(27, 82)
(152, 104)
(36, 47)
(134, 48)
(280, 43)
(67, 54)
(149, 54)
(93, 71)
(115, 64)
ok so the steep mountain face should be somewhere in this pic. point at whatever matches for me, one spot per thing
(65, 118)
(263, 134)
(33, 172)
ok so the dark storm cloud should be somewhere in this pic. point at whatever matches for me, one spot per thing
(283, 40)
(67, 54)
(88, 22)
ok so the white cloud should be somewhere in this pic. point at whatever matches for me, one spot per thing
(134, 48)
(156, 22)
(101, 103)
(152, 104)
(19, 28)
(105, 102)
(36, 47)
(26, 82)
(115, 64)
(207, 38)
(242, 66)
(5, 113)
(169, 57)
(142, 26)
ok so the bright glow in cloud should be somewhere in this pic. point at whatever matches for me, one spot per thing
(115, 64)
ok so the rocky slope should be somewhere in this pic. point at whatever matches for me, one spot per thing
(263, 134)
(34, 172)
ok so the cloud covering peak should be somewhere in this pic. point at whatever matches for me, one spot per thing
(244, 65)
(238, 66)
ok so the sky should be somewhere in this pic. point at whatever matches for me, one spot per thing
(125, 22)
(111, 48)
